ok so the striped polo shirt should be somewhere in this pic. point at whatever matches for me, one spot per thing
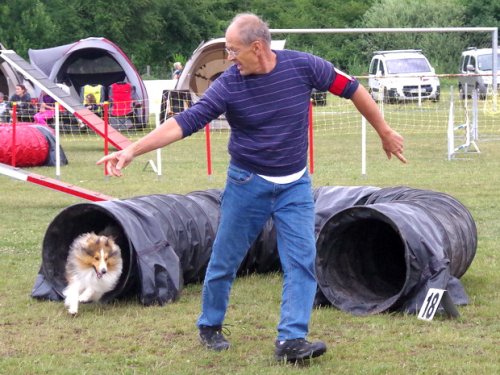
(268, 113)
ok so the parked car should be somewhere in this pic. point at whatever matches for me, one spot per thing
(476, 68)
(399, 75)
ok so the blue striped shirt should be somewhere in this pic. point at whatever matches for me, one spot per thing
(267, 113)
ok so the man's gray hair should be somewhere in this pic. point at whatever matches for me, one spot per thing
(251, 28)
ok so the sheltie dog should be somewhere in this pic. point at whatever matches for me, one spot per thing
(93, 268)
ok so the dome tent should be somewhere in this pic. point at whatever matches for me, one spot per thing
(90, 61)
(9, 78)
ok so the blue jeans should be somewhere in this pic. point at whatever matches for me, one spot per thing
(248, 201)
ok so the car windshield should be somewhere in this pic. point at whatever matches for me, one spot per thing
(408, 65)
(484, 62)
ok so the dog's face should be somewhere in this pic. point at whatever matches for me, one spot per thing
(101, 253)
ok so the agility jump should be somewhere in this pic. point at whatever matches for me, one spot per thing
(22, 175)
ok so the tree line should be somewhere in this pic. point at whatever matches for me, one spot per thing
(155, 33)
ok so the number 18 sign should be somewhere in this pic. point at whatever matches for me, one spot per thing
(431, 303)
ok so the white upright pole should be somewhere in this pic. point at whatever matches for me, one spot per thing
(420, 91)
(158, 151)
(451, 128)
(475, 117)
(58, 152)
(494, 50)
(363, 146)
(381, 99)
(472, 131)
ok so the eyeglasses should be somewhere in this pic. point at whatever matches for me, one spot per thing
(231, 52)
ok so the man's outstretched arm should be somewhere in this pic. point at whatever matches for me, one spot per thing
(169, 132)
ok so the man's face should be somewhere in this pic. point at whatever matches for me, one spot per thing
(243, 56)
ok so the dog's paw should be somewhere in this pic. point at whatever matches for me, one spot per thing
(87, 296)
(73, 312)
(85, 299)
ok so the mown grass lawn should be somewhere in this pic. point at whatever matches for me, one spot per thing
(124, 337)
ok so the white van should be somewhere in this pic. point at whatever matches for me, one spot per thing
(476, 71)
(402, 75)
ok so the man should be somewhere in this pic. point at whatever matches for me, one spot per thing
(265, 97)
(177, 70)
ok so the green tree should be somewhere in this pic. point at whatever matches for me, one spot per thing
(133, 25)
(307, 14)
(481, 13)
(443, 49)
(25, 24)
(152, 32)
(184, 28)
(327, 14)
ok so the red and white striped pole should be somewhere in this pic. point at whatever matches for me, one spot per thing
(209, 149)
(311, 139)
(14, 123)
(52, 183)
(106, 134)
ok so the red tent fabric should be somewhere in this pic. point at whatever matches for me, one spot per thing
(32, 147)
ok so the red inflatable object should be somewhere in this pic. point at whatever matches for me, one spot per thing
(31, 150)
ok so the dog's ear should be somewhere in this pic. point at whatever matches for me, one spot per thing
(85, 238)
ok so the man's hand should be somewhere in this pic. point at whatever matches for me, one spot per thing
(117, 161)
(392, 144)
(168, 132)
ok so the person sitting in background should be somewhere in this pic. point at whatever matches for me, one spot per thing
(177, 70)
(4, 111)
(47, 109)
(91, 104)
(23, 102)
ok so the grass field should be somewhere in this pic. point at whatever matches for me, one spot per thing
(124, 337)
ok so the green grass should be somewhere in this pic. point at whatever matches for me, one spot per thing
(39, 337)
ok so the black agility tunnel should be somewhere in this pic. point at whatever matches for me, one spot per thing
(386, 253)
(165, 240)
(147, 229)
(378, 249)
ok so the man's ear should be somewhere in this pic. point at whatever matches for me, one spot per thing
(257, 47)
